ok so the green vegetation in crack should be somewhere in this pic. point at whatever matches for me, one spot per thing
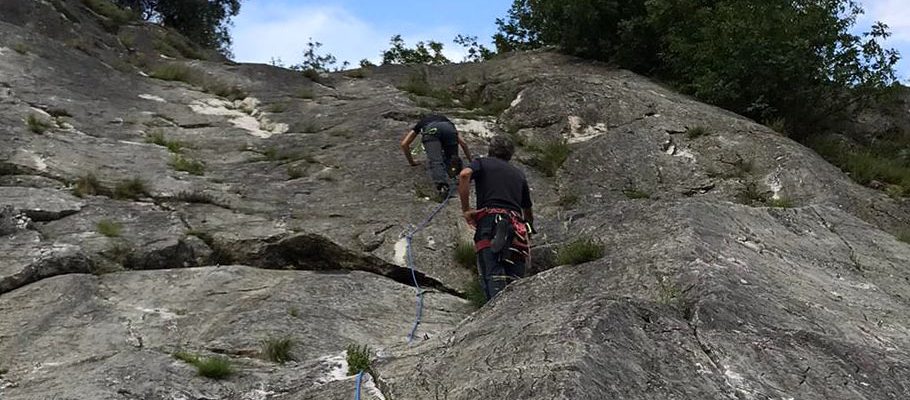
(548, 156)
(579, 251)
(465, 255)
(215, 367)
(109, 228)
(278, 349)
(359, 358)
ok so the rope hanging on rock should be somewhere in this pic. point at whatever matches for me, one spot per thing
(410, 259)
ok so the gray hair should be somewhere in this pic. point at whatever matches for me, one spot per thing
(501, 147)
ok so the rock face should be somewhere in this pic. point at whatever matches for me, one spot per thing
(141, 217)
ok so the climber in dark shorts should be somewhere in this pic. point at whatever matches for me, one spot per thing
(440, 140)
(503, 217)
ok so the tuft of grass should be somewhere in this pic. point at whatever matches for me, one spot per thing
(904, 236)
(312, 74)
(886, 163)
(579, 251)
(195, 196)
(114, 16)
(158, 138)
(3, 371)
(778, 125)
(549, 156)
(359, 73)
(20, 48)
(751, 195)
(37, 124)
(118, 252)
(130, 189)
(567, 200)
(696, 132)
(465, 255)
(669, 294)
(418, 85)
(109, 228)
(294, 312)
(305, 93)
(276, 108)
(781, 202)
(88, 185)
(174, 72)
(278, 349)
(358, 358)
(209, 367)
(187, 74)
(474, 293)
(194, 167)
(635, 194)
(296, 172)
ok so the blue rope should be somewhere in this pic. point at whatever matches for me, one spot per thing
(359, 379)
(410, 255)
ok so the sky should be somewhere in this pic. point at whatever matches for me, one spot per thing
(356, 29)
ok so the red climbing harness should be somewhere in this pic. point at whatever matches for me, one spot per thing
(520, 245)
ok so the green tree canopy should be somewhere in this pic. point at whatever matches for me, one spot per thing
(796, 59)
(205, 22)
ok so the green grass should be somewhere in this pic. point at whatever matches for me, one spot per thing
(781, 202)
(358, 358)
(696, 132)
(36, 124)
(130, 189)
(20, 48)
(885, 162)
(195, 196)
(549, 155)
(187, 74)
(669, 294)
(465, 255)
(778, 125)
(118, 252)
(305, 93)
(209, 367)
(752, 195)
(88, 185)
(276, 108)
(174, 72)
(278, 350)
(567, 200)
(474, 293)
(904, 236)
(312, 74)
(419, 85)
(109, 228)
(294, 312)
(194, 167)
(158, 138)
(295, 172)
(115, 17)
(579, 251)
(636, 194)
(359, 73)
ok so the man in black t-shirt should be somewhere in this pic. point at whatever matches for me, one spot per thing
(440, 140)
(503, 217)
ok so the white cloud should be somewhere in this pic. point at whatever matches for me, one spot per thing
(262, 32)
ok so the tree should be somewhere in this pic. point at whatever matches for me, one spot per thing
(423, 53)
(476, 52)
(205, 22)
(791, 59)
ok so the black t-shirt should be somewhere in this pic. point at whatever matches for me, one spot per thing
(500, 185)
(429, 119)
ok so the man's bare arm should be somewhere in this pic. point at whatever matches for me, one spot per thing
(464, 194)
(406, 146)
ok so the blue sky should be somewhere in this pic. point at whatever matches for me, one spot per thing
(356, 29)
